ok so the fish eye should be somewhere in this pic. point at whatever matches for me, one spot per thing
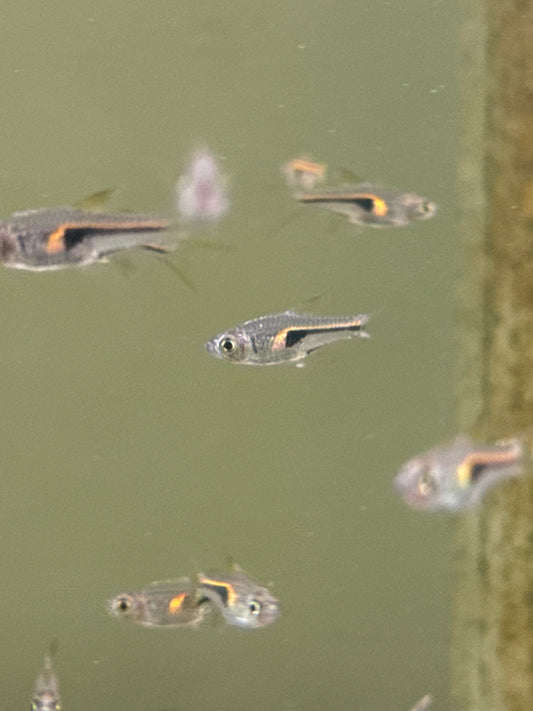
(254, 607)
(124, 604)
(228, 344)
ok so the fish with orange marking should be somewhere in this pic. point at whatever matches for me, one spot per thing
(301, 173)
(242, 601)
(456, 475)
(284, 337)
(55, 238)
(171, 603)
(368, 204)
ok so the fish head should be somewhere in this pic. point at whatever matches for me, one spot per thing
(127, 606)
(432, 480)
(257, 608)
(419, 208)
(236, 346)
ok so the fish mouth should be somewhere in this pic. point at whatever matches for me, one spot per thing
(211, 347)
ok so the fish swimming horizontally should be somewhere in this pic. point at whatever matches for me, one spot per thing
(368, 204)
(170, 603)
(46, 690)
(242, 601)
(456, 475)
(284, 337)
(59, 237)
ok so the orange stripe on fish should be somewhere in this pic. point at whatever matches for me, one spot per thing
(175, 605)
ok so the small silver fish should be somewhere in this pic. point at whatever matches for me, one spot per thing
(368, 204)
(59, 237)
(170, 603)
(202, 190)
(455, 476)
(284, 337)
(46, 691)
(242, 601)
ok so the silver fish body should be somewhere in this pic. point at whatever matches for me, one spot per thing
(46, 691)
(456, 475)
(283, 337)
(170, 603)
(242, 601)
(368, 204)
(57, 238)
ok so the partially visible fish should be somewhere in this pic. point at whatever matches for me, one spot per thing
(423, 704)
(46, 691)
(456, 475)
(202, 190)
(368, 204)
(287, 336)
(59, 237)
(170, 603)
(303, 174)
(242, 601)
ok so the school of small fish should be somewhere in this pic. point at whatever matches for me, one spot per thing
(452, 477)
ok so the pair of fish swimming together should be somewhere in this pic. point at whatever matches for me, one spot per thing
(54, 238)
(231, 595)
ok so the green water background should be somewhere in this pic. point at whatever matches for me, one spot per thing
(127, 453)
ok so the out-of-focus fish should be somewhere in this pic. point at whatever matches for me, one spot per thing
(303, 174)
(368, 204)
(171, 603)
(287, 336)
(46, 691)
(242, 601)
(59, 237)
(456, 475)
(423, 704)
(202, 190)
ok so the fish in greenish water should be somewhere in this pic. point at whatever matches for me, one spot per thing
(368, 204)
(46, 690)
(304, 174)
(241, 600)
(284, 337)
(170, 603)
(456, 475)
(202, 190)
(58, 237)
(424, 703)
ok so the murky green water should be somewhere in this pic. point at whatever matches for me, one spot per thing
(129, 455)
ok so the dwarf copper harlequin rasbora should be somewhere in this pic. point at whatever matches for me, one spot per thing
(170, 603)
(242, 601)
(55, 238)
(287, 336)
(368, 204)
(456, 475)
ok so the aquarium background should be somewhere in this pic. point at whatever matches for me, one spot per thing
(128, 454)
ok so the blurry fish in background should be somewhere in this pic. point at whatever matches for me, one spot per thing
(423, 704)
(283, 337)
(368, 204)
(456, 475)
(242, 601)
(58, 237)
(46, 690)
(202, 190)
(170, 603)
(304, 174)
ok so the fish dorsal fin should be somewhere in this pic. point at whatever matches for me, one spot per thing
(95, 201)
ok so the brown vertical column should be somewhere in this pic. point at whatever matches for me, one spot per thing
(492, 648)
